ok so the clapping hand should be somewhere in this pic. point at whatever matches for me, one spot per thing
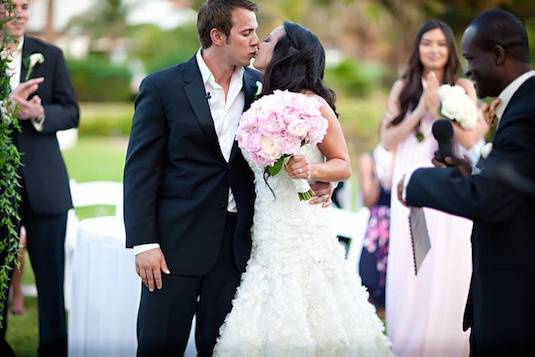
(29, 109)
(430, 93)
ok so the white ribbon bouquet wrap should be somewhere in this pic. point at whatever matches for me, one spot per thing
(276, 126)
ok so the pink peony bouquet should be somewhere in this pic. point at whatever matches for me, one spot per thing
(276, 126)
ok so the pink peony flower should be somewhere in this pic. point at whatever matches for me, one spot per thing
(277, 125)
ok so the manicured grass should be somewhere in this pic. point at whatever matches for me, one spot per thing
(96, 158)
(22, 332)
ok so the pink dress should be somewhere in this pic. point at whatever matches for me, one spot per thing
(424, 313)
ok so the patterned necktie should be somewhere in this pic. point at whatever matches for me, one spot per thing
(489, 111)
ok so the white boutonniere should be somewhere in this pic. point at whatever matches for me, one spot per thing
(258, 89)
(33, 60)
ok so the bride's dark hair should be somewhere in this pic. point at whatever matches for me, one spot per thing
(298, 64)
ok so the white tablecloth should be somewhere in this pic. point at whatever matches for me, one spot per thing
(105, 292)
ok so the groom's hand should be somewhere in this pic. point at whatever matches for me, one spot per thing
(149, 267)
(322, 192)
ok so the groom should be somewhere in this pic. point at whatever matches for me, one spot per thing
(189, 193)
(501, 303)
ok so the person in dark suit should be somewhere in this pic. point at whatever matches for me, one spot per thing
(188, 191)
(46, 198)
(500, 308)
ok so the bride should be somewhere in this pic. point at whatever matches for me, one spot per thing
(298, 296)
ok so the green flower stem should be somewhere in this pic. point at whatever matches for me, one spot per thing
(305, 196)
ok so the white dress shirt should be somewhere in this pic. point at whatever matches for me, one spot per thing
(226, 113)
(505, 97)
(15, 66)
(14, 72)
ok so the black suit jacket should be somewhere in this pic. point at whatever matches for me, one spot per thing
(46, 182)
(501, 303)
(176, 180)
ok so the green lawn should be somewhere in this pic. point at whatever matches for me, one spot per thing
(96, 158)
(22, 330)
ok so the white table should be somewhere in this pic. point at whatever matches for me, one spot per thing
(105, 292)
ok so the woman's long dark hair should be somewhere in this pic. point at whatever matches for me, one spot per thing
(298, 64)
(412, 89)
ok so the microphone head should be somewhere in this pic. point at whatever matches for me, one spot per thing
(442, 130)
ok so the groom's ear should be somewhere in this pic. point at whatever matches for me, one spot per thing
(218, 37)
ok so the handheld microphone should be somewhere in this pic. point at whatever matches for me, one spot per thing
(208, 95)
(443, 133)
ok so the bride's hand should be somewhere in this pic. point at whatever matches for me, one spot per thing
(298, 167)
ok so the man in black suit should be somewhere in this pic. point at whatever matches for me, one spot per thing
(45, 190)
(188, 191)
(501, 304)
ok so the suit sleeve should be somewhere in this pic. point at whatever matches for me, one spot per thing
(484, 197)
(144, 162)
(63, 111)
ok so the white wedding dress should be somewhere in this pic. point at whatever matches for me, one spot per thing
(298, 296)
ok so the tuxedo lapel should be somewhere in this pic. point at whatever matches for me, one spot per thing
(249, 90)
(196, 95)
(521, 97)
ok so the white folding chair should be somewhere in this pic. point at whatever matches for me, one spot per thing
(85, 194)
(351, 225)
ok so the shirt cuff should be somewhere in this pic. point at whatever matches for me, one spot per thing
(406, 180)
(39, 123)
(144, 247)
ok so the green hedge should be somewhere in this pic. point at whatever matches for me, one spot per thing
(353, 78)
(95, 79)
(106, 119)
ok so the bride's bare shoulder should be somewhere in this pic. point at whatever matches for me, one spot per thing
(325, 108)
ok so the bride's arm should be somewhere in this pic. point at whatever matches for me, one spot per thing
(337, 166)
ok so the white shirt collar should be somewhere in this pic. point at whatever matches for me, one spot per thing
(20, 44)
(506, 95)
(208, 77)
(205, 71)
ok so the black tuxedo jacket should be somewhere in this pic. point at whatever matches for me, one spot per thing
(176, 180)
(46, 182)
(501, 303)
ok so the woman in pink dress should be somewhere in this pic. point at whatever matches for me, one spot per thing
(424, 313)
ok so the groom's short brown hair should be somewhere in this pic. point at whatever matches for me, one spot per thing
(217, 14)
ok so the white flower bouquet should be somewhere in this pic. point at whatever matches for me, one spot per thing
(456, 105)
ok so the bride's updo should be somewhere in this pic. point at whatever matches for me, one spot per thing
(298, 64)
